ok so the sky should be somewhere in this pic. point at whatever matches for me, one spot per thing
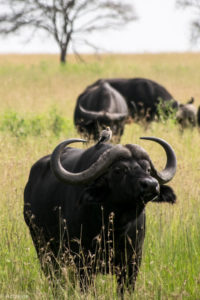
(161, 27)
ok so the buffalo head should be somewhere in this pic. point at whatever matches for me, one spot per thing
(131, 160)
(186, 115)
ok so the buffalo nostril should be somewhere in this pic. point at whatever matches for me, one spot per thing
(144, 185)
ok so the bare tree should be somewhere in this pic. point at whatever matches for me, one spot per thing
(195, 26)
(68, 21)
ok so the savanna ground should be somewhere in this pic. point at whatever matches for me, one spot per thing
(37, 99)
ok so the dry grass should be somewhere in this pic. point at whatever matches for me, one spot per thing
(32, 83)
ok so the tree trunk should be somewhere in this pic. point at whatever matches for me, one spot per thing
(63, 53)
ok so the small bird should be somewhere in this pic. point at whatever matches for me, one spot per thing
(105, 136)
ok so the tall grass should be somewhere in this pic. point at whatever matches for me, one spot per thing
(30, 128)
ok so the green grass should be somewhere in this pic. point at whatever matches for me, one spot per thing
(23, 125)
(37, 98)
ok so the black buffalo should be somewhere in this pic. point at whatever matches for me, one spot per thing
(98, 107)
(187, 114)
(75, 196)
(142, 96)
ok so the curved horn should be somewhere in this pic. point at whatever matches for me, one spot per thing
(94, 171)
(89, 114)
(170, 169)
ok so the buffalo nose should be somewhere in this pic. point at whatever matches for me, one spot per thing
(149, 186)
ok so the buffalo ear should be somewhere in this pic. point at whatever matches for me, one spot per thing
(166, 195)
(191, 101)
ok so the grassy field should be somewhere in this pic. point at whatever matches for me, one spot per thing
(37, 99)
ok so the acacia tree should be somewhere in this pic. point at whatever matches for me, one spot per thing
(195, 26)
(66, 20)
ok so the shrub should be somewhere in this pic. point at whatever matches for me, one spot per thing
(51, 123)
(166, 111)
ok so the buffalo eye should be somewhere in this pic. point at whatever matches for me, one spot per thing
(145, 166)
(149, 170)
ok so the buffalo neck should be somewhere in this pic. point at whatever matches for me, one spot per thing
(123, 213)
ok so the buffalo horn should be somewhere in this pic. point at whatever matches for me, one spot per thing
(94, 171)
(170, 169)
(101, 115)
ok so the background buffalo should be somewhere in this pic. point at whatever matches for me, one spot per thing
(187, 115)
(148, 100)
(142, 96)
(98, 107)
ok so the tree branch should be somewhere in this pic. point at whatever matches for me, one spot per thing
(63, 19)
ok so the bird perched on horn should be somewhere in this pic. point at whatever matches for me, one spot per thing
(105, 136)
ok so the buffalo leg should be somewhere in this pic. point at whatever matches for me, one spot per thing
(128, 275)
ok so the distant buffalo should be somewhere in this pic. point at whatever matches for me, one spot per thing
(142, 96)
(187, 114)
(100, 106)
